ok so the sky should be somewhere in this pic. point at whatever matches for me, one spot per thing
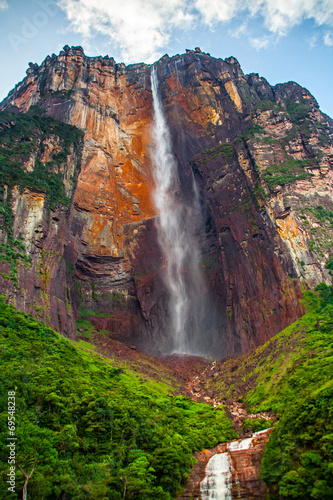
(281, 40)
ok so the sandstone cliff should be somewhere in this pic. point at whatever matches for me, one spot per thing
(262, 157)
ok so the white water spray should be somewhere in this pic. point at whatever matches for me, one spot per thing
(217, 481)
(176, 226)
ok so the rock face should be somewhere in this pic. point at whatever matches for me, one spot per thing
(262, 157)
(245, 469)
(40, 165)
(244, 458)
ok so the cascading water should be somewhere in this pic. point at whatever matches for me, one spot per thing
(217, 482)
(177, 225)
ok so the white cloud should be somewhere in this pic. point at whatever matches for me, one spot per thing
(261, 42)
(142, 28)
(215, 11)
(328, 39)
(313, 40)
(281, 15)
(240, 31)
(3, 5)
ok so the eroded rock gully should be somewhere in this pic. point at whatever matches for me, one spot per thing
(244, 455)
(237, 134)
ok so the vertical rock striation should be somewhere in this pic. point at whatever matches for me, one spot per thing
(262, 157)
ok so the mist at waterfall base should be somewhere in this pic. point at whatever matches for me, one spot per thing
(191, 317)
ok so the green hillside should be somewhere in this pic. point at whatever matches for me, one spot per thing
(96, 430)
(292, 375)
(100, 431)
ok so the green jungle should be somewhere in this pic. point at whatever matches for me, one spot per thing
(96, 430)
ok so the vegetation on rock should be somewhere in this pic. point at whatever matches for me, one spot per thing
(23, 136)
(285, 173)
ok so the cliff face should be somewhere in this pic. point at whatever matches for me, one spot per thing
(244, 466)
(40, 161)
(262, 157)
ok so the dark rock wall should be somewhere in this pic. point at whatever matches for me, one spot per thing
(262, 157)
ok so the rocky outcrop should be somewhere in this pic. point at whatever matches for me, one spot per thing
(192, 487)
(246, 465)
(262, 157)
(244, 459)
(40, 165)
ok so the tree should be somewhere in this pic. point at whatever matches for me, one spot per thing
(137, 477)
(27, 477)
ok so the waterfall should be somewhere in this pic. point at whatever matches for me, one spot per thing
(216, 484)
(177, 228)
(218, 478)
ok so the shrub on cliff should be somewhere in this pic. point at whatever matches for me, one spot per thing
(25, 137)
